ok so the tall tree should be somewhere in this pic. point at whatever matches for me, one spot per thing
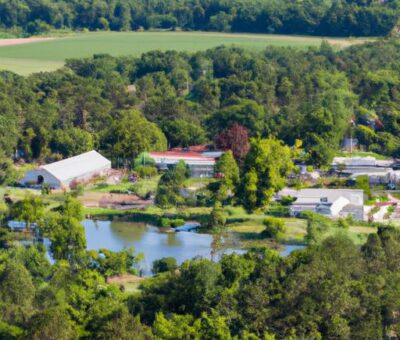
(266, 167)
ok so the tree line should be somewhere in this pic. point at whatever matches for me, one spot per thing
(331, 289)
(123, 106)
(315, 17)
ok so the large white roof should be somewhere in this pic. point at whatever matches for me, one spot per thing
(77, 166)
(355, 196)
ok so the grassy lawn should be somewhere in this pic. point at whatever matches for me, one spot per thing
(248, 228)
(360, 154)
(50, 55)
(142, 187)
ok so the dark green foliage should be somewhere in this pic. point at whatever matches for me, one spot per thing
(217, 218)
(165, 264)
(317, 226)
(255, 295)
(328, 18)
(283, 92)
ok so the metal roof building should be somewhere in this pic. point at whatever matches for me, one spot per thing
(200, 165)
(64, 173)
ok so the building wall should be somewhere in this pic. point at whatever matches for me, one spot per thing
(88, 176)
(357, 212)
(31, 179)
(198, 171)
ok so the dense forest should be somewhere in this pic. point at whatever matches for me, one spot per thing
(333, 289)
(123, 106)
(315, 17)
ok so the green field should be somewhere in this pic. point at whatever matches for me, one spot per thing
(50, 55)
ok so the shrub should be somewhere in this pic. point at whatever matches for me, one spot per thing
(217, 218)
(78, 190)
(278, 211)
(146, 171)
(170, 222)
(274, 227)
(45, 189)
(287, 200)
(342, 223)
(165, 264)
(102, 185)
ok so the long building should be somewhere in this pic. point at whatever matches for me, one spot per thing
(199, 164)
(70, 171)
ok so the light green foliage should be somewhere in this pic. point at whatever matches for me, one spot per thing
(143, 159)
(274, 227)
(266, 167)
(72, 208)
(30, 210)
(168, 190)
(66, 232)
(362, 182)
(146, 171)
(227, 166)
(175, 327)
(110, 263)
(67, 238)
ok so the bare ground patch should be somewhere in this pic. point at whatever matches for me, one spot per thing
(20, 41)
(113, 201)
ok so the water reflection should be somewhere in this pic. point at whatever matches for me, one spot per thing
(153, 242)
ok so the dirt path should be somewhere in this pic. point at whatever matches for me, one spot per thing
(20, 41)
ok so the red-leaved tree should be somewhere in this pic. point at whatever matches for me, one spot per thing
(235, 138)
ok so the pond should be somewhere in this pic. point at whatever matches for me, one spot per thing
(156, 243)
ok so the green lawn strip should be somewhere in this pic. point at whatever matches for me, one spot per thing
(51, 54)
(25, 67)
(360, 154)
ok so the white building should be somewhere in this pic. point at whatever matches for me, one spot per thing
(330, 202)
(378, 171)
(68, 171)
(200, 165)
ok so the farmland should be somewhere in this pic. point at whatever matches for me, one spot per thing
(49, 55)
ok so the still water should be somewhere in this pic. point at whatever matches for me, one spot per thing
(154, 243)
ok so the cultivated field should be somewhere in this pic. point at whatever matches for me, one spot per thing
(46, 55)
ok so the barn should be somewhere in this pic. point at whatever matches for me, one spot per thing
(65, 173)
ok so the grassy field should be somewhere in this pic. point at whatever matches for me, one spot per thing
(50, 55)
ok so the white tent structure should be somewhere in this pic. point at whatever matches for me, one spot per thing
(69, 171)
